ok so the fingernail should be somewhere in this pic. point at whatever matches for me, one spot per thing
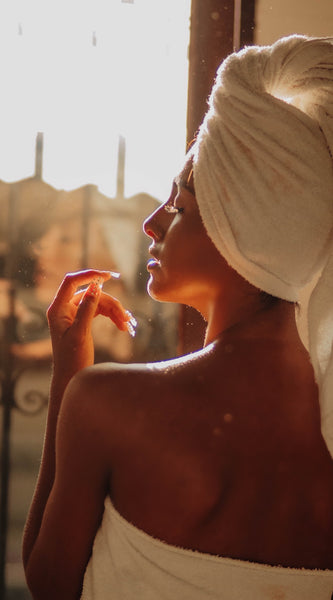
(94, 287)
(130, 328)
(131, 323)
(131, 319)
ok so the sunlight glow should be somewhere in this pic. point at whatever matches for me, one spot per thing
(85, 72)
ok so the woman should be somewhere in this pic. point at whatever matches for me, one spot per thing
(208, 476)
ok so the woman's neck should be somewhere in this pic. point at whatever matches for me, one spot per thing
(253, 318)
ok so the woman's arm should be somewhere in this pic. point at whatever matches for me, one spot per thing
(70, 317)
(58, 558)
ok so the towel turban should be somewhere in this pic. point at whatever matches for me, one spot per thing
(263, 177)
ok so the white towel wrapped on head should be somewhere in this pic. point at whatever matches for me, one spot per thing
(263, 177)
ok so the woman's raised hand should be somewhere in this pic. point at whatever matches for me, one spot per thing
(71, 313)
(78, 300)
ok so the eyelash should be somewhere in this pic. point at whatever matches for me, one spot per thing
(170, 208)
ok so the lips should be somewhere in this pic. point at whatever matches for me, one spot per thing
(154, 261)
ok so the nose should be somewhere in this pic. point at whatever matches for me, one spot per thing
(157, 223)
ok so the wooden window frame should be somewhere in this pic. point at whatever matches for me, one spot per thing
(217, 28)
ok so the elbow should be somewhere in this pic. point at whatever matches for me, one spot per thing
(44, 582)
(36, 583)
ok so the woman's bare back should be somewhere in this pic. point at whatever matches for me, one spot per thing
(220, 453)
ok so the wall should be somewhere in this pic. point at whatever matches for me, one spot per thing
(277, 18)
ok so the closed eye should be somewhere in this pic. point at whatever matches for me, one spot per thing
(171, 208)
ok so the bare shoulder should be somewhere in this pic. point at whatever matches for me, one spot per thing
(122, 397)
(133, 379)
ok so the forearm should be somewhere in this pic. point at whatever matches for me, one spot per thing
(58, 557)
(60, 378)
(47, 470)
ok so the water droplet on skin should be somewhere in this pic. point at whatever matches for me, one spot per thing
(217, 431)
(228, 418)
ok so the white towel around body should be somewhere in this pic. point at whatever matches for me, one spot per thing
(129, 564)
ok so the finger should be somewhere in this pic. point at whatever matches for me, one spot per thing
(87, 308)
(108, 305)
(111, 307)
(72, 281)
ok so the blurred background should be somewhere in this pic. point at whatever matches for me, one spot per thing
(94, 119)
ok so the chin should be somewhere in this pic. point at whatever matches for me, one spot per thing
(161, 293)
(152, 288)
(156, 294)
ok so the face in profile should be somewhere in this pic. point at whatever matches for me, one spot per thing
(184, 259)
